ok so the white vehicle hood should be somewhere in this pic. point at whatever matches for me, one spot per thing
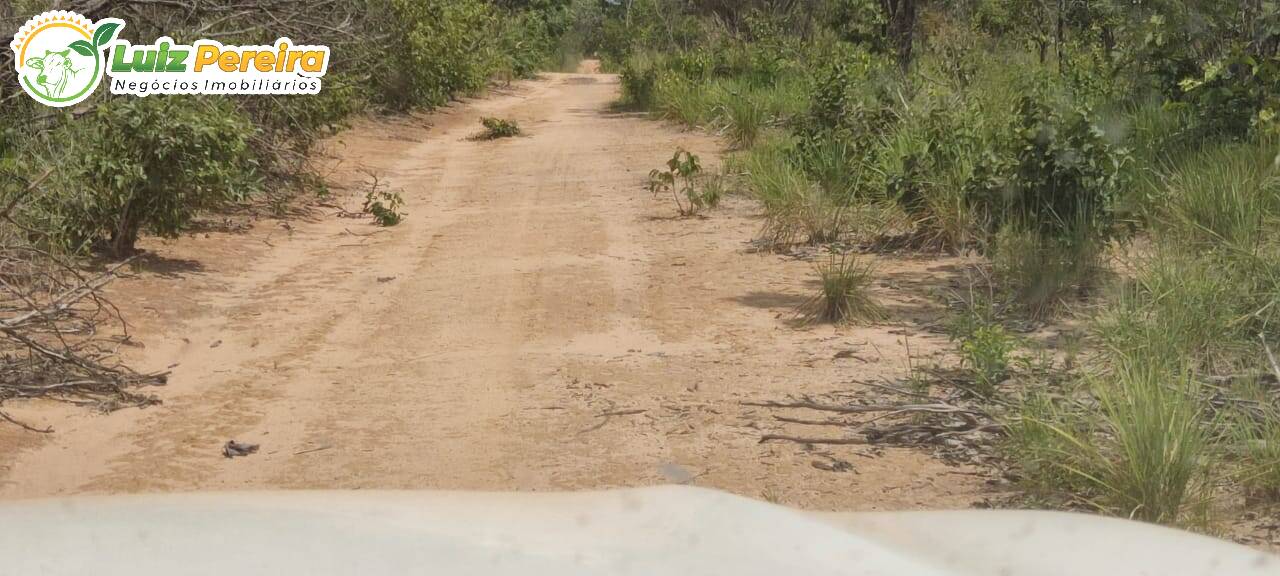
(644, 531)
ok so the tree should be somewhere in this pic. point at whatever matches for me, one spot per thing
(900, 28)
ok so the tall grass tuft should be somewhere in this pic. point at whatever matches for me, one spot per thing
(1158, 440)
(1225, 194)
(845, 295)
(1143, 454)
(1040, 274)
(744, 118)
(685, 101)
(1258, 436)
(797, 209)
(1180, 307)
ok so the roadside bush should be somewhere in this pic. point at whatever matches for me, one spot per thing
(1180, 308)
(1156, 454)
(522, 43)
(441, 49)
(796, 208)
(744, 118)
(1234, 96)
(1065, 174)
(1145, 143)
(113, 180)
(146, 164)
(1158, 137)
(928, 164)
(838, 168)
(985, 351)
(851, 100)
(686, 101)
(495, 128)
(639, 80)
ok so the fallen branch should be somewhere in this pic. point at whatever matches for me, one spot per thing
(801, 440)
(940, 408)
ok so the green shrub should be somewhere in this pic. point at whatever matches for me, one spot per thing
(853, 100)
(495, 128)
(146, 164)
(639, 80)
(1234, 96)
(985, 352)
(440, 49)
(927, 163)
(384, 206)
(1065, 174)
(522, 44)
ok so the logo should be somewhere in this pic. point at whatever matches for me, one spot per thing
(62, 57)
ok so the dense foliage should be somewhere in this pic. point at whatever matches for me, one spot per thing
(1111, 161)
(126, 165)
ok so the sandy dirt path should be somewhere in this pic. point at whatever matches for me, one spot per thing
(538, 322)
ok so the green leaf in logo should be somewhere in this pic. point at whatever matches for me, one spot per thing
(83, 48)
(104, 33)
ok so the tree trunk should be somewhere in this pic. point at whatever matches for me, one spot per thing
(1060, 34)
(901, 28)
(125, 236)
(1108, 42)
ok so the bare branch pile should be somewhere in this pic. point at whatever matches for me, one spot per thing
(959, 427)
(58, 334)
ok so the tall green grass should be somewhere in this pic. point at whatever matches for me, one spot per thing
(797, 209)
(1142, 453)
(1155, 422)
(744, 118)
(1225, 194)
(1257, 433)
(1041, 275)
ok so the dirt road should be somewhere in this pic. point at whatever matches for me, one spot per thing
(538, 322)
